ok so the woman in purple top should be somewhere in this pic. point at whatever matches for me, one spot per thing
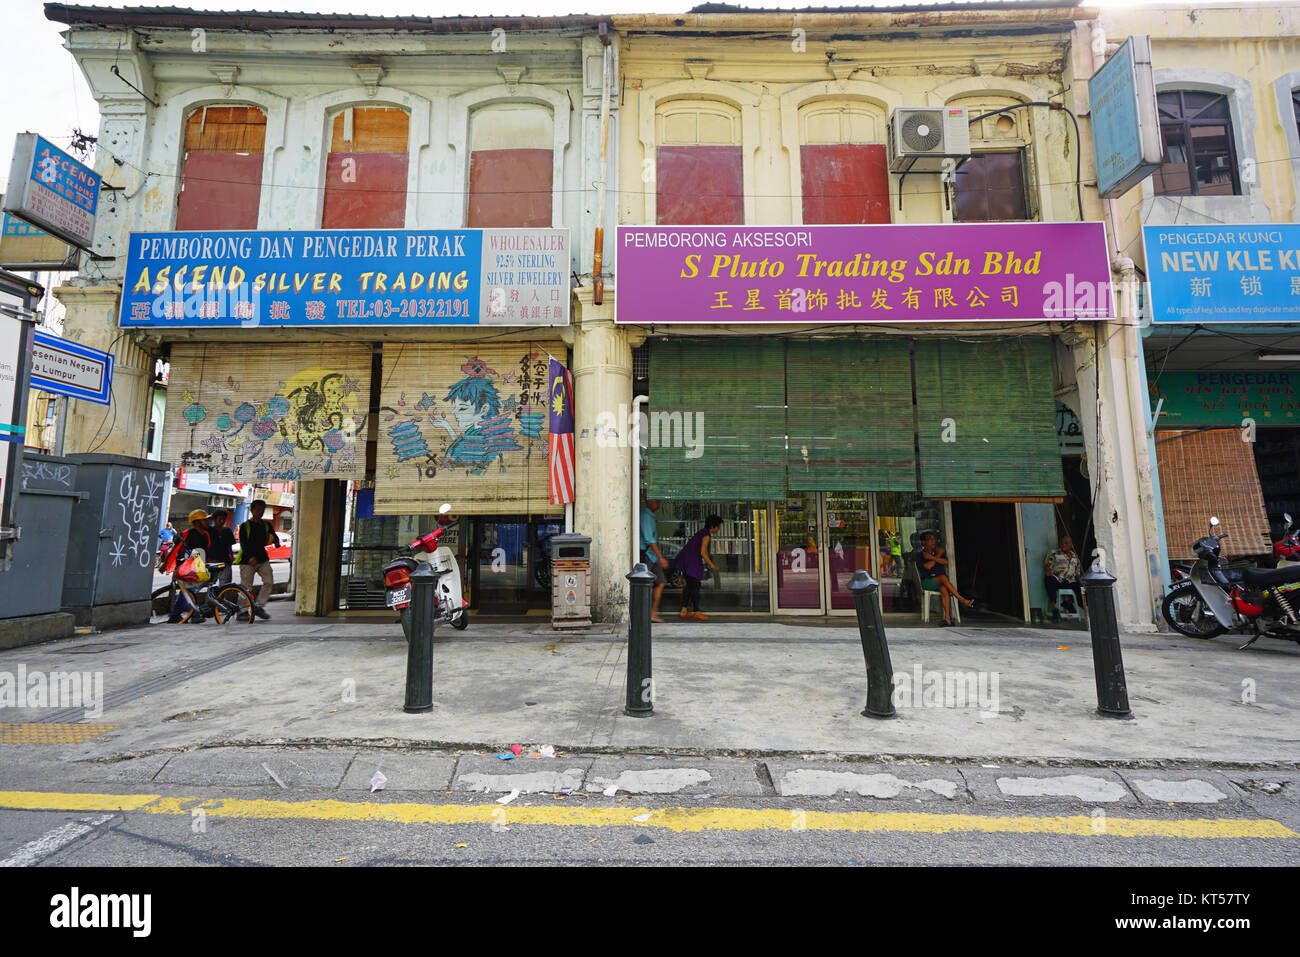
(691, 561)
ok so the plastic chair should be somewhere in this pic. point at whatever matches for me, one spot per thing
(927, 588)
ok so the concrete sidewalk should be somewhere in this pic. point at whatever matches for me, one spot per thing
(751, 688)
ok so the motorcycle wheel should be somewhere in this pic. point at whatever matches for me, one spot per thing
(406, 623)
(1185, 611)
(461, 621)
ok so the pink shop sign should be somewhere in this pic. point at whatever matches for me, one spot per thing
(960, 272)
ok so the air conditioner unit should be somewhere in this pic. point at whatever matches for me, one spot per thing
(921, 138)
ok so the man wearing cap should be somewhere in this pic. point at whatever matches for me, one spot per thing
(254, 537)
(198, 537)
(221, 553)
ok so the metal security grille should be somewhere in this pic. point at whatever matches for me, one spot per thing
(986, 417)
(283, 412)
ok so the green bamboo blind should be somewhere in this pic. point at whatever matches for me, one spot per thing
(994, 402)
(850, 415)
(731, 400)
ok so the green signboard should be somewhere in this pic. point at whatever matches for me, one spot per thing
(1199, 399)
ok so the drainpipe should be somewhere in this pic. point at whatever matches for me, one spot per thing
(598, 283)
(636, 477)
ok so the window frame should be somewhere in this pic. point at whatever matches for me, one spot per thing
(1185, 124)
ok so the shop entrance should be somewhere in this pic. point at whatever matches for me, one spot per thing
(990, 568)
(822, 538)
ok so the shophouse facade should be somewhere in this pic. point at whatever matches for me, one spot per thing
(1216, 335)
(848, 437)
(833, 440)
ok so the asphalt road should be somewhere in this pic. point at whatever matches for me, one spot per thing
(51, 816)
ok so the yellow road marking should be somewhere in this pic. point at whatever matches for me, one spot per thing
(679, 819)
(37, 733)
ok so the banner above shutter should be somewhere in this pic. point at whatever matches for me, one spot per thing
(716, 428)
(269, 412)
(850, 415)
(464, 424)
(986, 419)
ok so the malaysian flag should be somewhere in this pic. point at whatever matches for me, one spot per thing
(561, 433)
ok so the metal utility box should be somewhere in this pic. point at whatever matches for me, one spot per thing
(570, 581)
(113, 543)
(47, 490)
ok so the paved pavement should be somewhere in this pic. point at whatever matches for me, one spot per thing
(759, 688)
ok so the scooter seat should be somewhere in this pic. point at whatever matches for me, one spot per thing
(1266, 578)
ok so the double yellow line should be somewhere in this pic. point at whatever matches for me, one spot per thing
(679, 819)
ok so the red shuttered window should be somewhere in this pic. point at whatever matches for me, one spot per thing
(366, 170)
(221, 173)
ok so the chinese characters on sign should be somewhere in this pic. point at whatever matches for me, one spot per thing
(50, 189)
(822, 274)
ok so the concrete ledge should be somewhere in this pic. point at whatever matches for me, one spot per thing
(104, 617)
(33, 629)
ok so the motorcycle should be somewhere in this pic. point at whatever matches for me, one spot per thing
(1288, 548)
(1210, 602)
(447, 588)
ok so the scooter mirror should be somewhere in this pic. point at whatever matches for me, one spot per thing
(446, 507)
(1214, 522)
(1287, 516)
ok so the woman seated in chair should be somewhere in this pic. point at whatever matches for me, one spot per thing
(933, 564)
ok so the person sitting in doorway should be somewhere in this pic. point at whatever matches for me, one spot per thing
(1061, 571)
(934, 564)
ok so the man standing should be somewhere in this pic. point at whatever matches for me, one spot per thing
(254, 537)
(1062, 571)
(650, 554)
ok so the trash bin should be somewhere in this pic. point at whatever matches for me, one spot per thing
(33, 583)
(570, 581)
(113, 542)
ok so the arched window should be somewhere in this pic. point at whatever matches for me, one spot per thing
(994, 184)
(698, 174)
(511, 166)
(842, 163)
(1200, 158)
(365, 172)
(221, 172)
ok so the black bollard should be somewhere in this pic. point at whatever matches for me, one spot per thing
(419, 653)
(1107, 662)
(880, 670)
(640, 684)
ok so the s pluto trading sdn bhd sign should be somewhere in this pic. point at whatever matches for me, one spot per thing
(861, 274)
(347, 277)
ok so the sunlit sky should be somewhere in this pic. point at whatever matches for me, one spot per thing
(46, 93)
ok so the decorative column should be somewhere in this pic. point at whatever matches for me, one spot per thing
(602, 386)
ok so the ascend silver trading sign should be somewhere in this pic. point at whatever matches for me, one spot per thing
(50, 189)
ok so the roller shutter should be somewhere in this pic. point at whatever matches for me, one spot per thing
(283, 412)
(465, 424)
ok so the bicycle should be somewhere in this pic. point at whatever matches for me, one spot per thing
(199, 602)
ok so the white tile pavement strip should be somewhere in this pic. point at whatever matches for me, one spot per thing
(913, 783)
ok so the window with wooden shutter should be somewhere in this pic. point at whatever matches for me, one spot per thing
(221, 172)
(272, 413)
(698, 175)
(465, 424)
(511, 166)
(716, 428)
(850, 415)
(986, 419)
(366, 170)
(842, 163)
